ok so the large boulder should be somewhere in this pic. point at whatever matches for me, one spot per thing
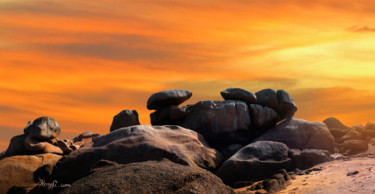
(125, 118)
(42, 128)
(239, 94)
(150, 177)
(167, 97)
(287, 107)
(137, 144)
(20, 171)
(220, 122)
(333, 122)
(300, 134)
(262, 118)
(255, 162)
(268, 98)
(308, 158)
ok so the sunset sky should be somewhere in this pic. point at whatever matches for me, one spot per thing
(82, 62)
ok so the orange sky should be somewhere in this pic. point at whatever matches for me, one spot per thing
(83, 62)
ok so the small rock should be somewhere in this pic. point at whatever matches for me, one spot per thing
(125, 118)
(43, 128)
(352, 173)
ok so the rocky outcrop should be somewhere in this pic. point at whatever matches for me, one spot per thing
(167, 98)
(300, 134)
(239, 94)
(309, 157)
(262, 118)
(150, 177)
(171, 115)
(136, 144)
(254, 162)
(20, 171)
(85, 138)
(125, 118)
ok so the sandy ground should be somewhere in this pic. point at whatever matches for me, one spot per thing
(334, 177)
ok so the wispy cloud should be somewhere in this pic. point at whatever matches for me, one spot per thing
(361, 29)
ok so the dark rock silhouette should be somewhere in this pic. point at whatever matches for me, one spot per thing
(287, 107)
(262, 118)
(308, 157)
(166, 98)
(254, 162)
(125, 118)
(136, 144)
(301, 134)
(150, 177)
(239, 94)
(268, 98)
(332, 122)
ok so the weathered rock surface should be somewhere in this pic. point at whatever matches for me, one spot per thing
(150, 177)
(262, 118)
(16, 147)
(136, 144)
(254, 162)
(167, 97)
(19, 171)
(221, 122)
(125, 118)
(300, 134)
(268, 98)
(37, 146)
(239, 94)
(287, 107)
(355, 133)
(332, 122)
(42, 128)
(308, 158)
(85, 137)
(67, 146)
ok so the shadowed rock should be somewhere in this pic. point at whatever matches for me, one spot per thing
(268, 98)
(254, 162)
(150, 177)
(287, 107)
(171, 115)
(350, 147)
(332, 122)
(136, 144)
(166, 98)
(239, 94)
(262, 118)
(125, 118)
(301, 134)
(308, 158)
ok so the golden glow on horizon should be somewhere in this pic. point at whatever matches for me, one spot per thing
(83, 62)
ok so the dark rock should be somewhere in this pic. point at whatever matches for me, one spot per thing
(262, 118)
(268, 98)
(136, 144)
(16, 147)
(239, 94)
(287, 107)
(332, 122)
(231, 150)
(150, 177)
(254, 162)
(350, 147)
(369, 130)
(308, 158)
(221, 123)
(278, 182)
(125, 118)
(300, 134)
(42, 128)
(352, 173)
(171, 115)
(67, 146)
(166, 98)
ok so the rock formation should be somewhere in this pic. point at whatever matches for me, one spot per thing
(125, 118)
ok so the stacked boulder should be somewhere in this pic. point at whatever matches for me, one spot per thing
(166, 105)
(125, 118)
(351, 140)
(242, 117)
